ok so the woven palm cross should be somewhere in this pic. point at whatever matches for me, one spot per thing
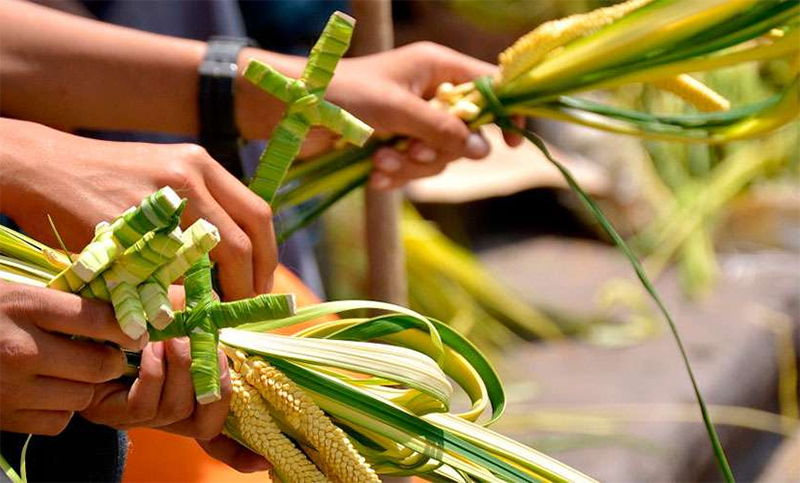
(306, 106)
(203, 318)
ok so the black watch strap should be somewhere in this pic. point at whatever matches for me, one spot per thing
(218, 130)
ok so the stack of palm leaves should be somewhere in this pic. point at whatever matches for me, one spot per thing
(342, 401)
(456, 272)
(690, 187)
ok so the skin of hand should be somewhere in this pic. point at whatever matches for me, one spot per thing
(388, 91)
(234, 455)
(80, 182)
(45, 377)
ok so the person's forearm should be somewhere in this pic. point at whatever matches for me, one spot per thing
(72, 72)
(26, 150)
(15, 139)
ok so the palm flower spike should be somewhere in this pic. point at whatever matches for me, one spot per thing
(306, 106)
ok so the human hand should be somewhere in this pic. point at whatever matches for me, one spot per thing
(44, 375)
(234, 455)
(164, 371)
(388, 91)
(162, 395)
(80, 182)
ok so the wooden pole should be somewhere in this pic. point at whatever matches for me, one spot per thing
(386, 264)
(385, 260)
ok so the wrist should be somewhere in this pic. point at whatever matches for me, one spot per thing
(257, 112)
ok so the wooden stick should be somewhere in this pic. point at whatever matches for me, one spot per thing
(386, 264)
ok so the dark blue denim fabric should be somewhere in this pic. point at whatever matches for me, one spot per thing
(82, 452)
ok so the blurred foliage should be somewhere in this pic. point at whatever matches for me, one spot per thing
(449, 283)
(513, 15)
(445, 280)
(688, 176)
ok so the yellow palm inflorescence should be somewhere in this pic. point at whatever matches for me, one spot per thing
(262, 435)
(694, 92)
(532, 48)
(337, 458)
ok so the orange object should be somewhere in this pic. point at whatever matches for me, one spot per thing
(156, 456)
(287, 282)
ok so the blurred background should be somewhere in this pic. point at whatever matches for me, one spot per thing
(502, 251)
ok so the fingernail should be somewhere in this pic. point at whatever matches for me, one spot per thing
(158, 351)
(388, 162)
(266, 286)
(380, 181)
(144, 340)
(476, 146)
(423, 154)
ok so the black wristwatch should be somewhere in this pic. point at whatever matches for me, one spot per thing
(218, 131)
